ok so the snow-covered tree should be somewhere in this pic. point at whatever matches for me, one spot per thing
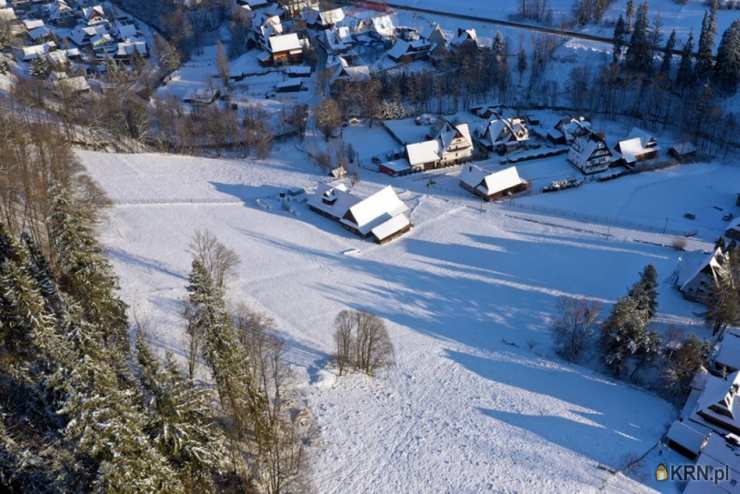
(665, 65)
(685, 76)
(625, 338)
(85, 274)
(181, 421)
(727, 70)
(620, 33)
(646, 290)
(639, 50)
(704, 59)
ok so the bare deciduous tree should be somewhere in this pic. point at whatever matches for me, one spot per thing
(362, 342)
(344, 340)
(328, 117)
(574, 326)
(222, 62)
(219, 260)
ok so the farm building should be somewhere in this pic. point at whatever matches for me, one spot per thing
(699, 273)
(504, 134)
(491, 186)
(286, 48)
(590, 153)
(381, 215)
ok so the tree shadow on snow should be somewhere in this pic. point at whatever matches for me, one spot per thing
(606, 424)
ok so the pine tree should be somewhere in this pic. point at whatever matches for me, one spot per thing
(620, 32)
(685, 76)
(645, 291)
(630, 13)
(665, 66)
(704, 60)
(638, 52)
(181, 421)
(84, 272)
(521, 63)
(727, 70)
(625, 337)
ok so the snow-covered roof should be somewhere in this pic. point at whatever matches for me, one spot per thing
(718, 451)
(126, 31)
(27, 53)
(399, 49)
(729, 351)
(94, 11)
(464, 36)
(31, 24)
(490, 183)
(3, 3)
(390, 227)
(686, 436)
(646, 138)
(333, 199)
(719, 391)
(693, 263)
(375, 210)
(383, 25)
(330, 17)
(505, 131)
(683, 148)
(285, 42)
(39, 33)
(632, 149)
(423, 152)
(128, 48)
(255, 4)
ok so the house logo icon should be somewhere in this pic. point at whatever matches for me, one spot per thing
(661, 473)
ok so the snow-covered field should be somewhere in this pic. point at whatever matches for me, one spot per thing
(478, 402)
(683, 18)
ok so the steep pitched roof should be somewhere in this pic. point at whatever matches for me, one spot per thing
(490, 183)
(375, 210)
(423, 152)
(285, 42)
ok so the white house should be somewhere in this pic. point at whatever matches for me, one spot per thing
(491, 186)
(590, 153)
(451, 144)
(381, 215)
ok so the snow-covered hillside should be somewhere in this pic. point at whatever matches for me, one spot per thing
(478, 401)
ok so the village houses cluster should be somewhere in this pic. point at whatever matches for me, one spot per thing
(65, 41)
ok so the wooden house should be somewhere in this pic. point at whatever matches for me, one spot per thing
(699, 273)
(590, 153)
(504, 134)
(492, 186)
(286, 48)
(380, 216)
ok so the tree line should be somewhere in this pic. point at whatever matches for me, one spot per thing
(83, 408)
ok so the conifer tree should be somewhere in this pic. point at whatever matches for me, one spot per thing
(708, 33)
(638, 52)
(727, 70)
(624, 336)
(620, 32)
(645, 290)
(685, 76)
(181, 421)
(84, 272)
(670, 45)
(630, 13)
